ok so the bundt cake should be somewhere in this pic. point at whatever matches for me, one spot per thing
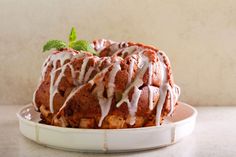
(127, 85)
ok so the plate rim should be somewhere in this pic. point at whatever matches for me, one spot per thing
(64, 129)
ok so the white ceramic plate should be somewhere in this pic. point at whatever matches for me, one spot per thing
(175, 128)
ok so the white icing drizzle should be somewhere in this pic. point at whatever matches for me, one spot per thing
(177, 92)
(123, 44)
(140, 61)
(134, 104)
(112, 76)
(59, 57)
(44, 67)
(62, 57)
(128, 50)
(73, 74)
(88, 74)
(138, 82)
(101, 61)
(72, 93)
(131, 70)
(105, 103)
(171, 99)
(100, 44)
(114, 47)
(164, 88)
(174, 96)
(150, 74)
(99, 76)
(76, 89)
(150, 91)
(162, 92)
(82, 70)
(54, 87)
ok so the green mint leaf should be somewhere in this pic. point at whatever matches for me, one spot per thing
(72, 36)
(83, 45)
(54, 44)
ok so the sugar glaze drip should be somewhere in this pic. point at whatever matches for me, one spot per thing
(165, 88)
(138, 82)
(105, 103)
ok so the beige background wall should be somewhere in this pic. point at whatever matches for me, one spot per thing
(198, 36)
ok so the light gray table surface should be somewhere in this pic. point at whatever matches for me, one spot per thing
(214, 135)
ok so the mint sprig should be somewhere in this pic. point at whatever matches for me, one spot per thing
(72, 36)
(83, 45)
(57, 44)
(79, 45)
